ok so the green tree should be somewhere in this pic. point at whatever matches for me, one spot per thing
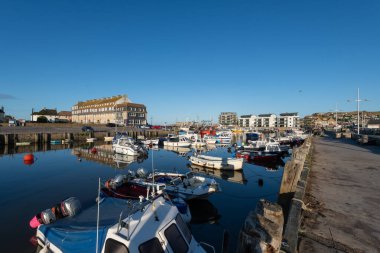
(42, 119)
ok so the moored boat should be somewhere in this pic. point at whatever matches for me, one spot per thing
(186, 185)
(126, 146)
(153, 225)
(177, 141)
(217, 162)
(128, 187)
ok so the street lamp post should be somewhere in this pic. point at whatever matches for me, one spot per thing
(336, 114)
(358, 100)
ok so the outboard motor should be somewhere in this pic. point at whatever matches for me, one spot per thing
(66, 208)
(118, 181)
(141, 173)
(46, 217)
(70, 207)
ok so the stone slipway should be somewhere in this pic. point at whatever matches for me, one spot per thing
(342, 200)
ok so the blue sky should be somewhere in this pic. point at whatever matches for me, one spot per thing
(190, 59)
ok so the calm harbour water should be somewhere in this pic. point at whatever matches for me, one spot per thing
(58, 174)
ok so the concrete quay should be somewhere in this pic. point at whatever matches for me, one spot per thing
(342, 201)
(42, 133)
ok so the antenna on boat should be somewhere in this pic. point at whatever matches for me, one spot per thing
(153, 190)
(97, 220)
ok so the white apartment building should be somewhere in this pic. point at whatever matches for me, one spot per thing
(266, 120)
(247, 120)
(288, 120)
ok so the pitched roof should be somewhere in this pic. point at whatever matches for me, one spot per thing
(46, 112)
(130, 104)
(100, 101)
(64, 113)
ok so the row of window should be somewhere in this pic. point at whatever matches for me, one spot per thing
(134, 114)
(104, 109)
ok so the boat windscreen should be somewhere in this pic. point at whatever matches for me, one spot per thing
(176, 181)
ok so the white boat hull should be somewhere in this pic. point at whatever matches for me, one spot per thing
(177, 144)
(218, 162)
(125, 150)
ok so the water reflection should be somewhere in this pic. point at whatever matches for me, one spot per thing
(181, 151)
(270, 166)
(104, 154)
(203, 211)
(14, 149)
(228, 175)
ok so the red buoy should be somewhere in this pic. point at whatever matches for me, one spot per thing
(28, 162)
(94, 150)
(28, 159)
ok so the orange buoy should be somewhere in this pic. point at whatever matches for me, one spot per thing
(28, 162)
(29, 159)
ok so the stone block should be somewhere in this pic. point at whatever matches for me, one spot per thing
(262, 229)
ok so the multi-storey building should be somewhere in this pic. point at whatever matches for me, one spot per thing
(228, 118)
(117, 109)
(288, 120)
(248, 120)
(131, 114)
(266, 120)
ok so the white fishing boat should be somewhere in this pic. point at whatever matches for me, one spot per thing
(210, 139)
(91, 139)
(186, 185)
(178, 141)
(126, 146)
(153, 225)
(150, 142)
(217, 162)
(191, 135)
(198, 143)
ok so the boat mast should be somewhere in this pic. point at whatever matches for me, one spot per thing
(153, 186)
(97, 220)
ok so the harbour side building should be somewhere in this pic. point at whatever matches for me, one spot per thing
(117, 109)
(288, 120)
(228, 118)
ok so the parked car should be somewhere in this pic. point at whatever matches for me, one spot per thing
(87, 129)
(110, 125)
